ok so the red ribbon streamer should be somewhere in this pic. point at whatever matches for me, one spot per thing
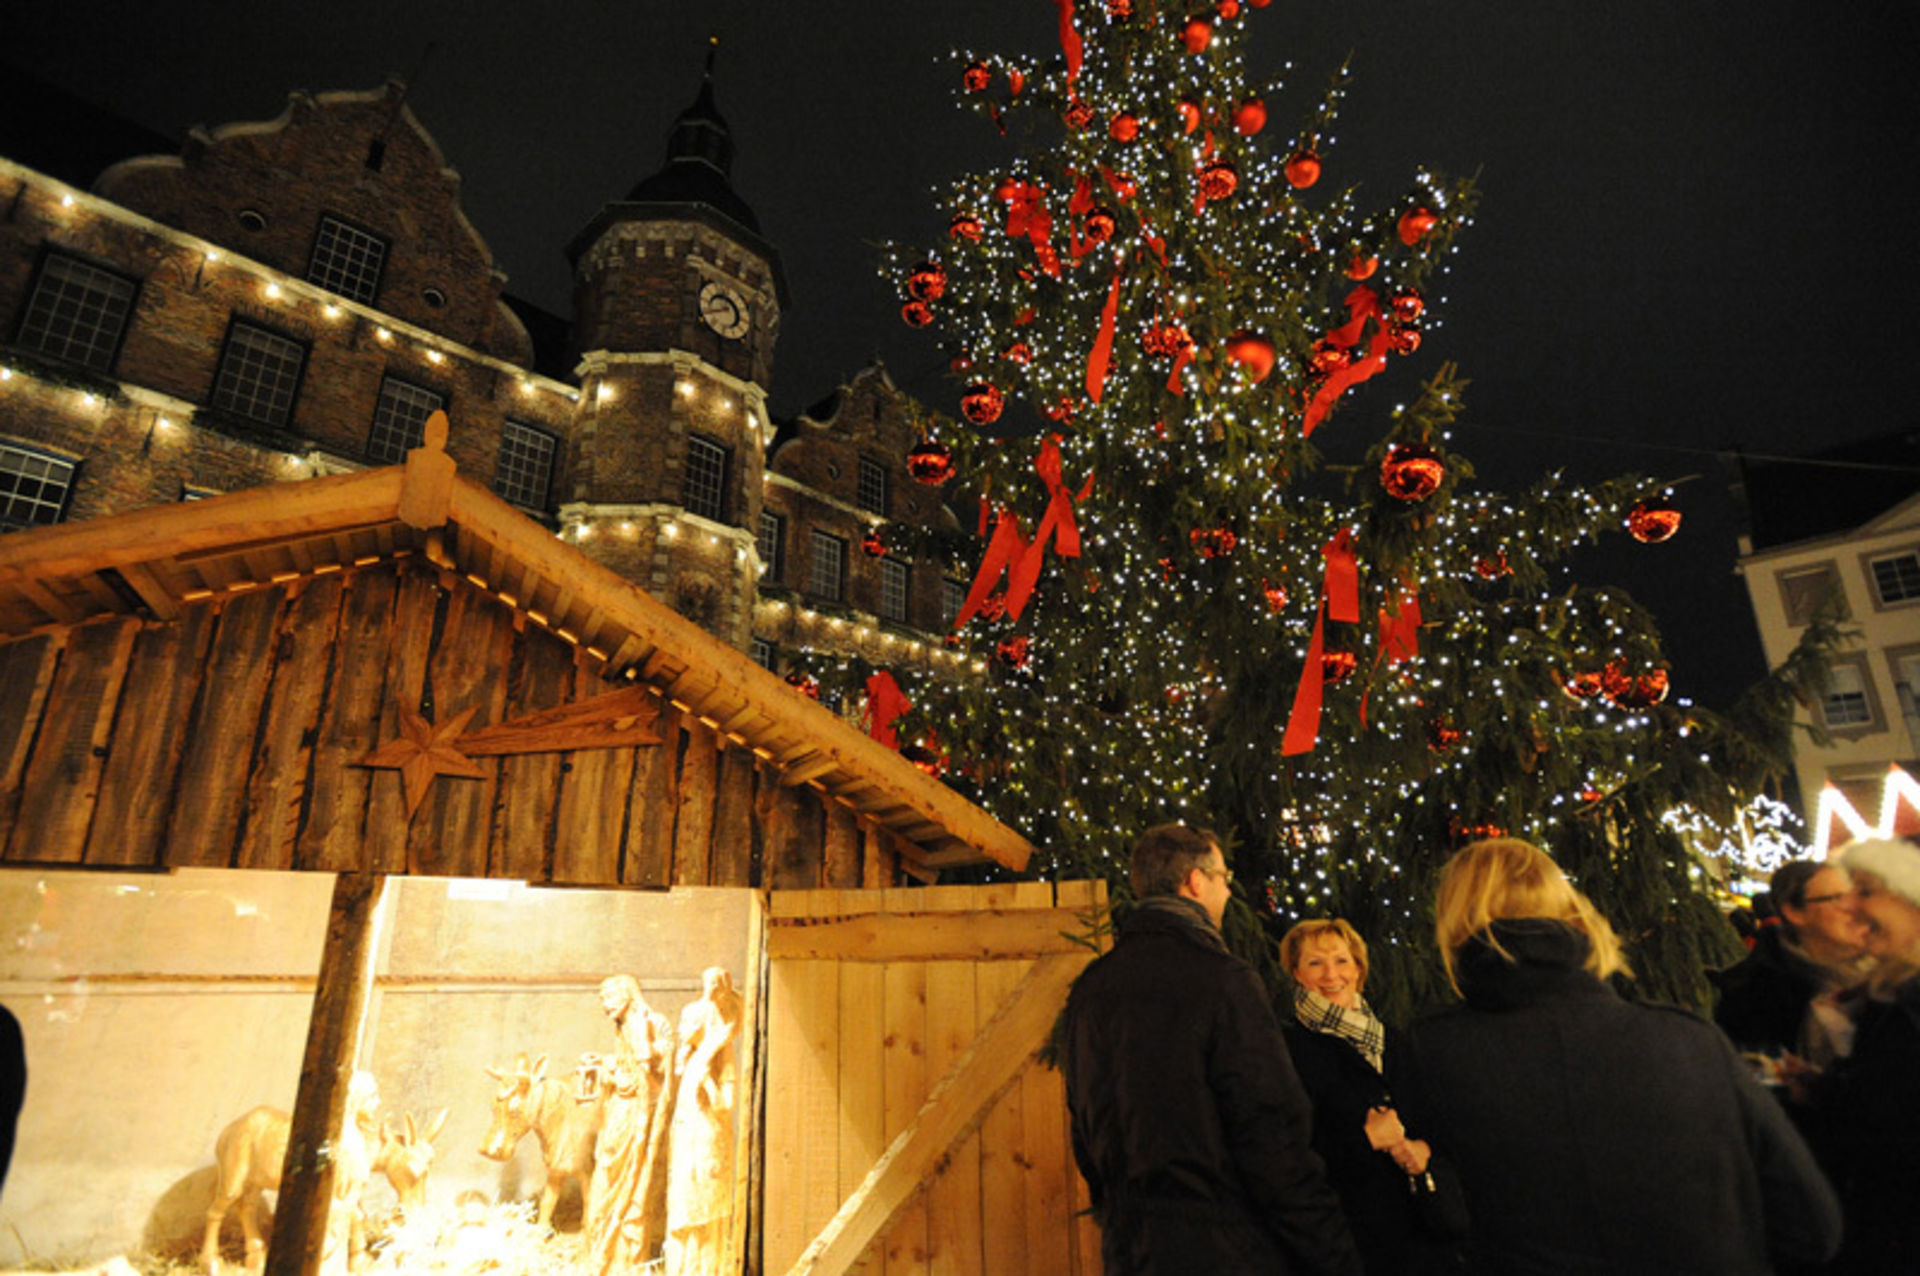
(1338, 383)
(1069, 39)
(1103, 344)
(1363, 303)
(1027, 215)
(1340, 600)
(885, 703)
(1003, 551)
(1057, 523)
(1399, 636)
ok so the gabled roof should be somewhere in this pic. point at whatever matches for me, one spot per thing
(159, 562)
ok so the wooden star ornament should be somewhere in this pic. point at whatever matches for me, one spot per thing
(424, 750)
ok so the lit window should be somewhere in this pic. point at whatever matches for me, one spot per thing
(1896, 578)
(894, 576)
(77, 312)
(773, 536)
(873, 486)
(827, 569)
(703, 491)
(259, 374)
(1847, 703)
(762, 653)
(346, 260)
(400, 420)
(526, 465)
(33, 487)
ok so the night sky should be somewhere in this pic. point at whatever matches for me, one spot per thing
(1695, 232)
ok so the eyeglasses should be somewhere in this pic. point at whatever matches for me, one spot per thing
(1828, 899)
(1223, 873)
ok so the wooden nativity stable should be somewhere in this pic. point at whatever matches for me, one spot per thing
(395, 676)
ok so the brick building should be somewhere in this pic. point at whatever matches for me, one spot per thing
(294, 297)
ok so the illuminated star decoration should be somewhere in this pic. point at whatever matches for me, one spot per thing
(424, 750)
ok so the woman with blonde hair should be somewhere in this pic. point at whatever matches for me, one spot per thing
(1592, 1134)
(1403, 1207)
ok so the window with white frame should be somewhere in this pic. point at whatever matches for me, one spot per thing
(895, 576)
(76, 313)
(953, 596)
(1804, 589)
(33, 487)
(762, 653)
(525, 473)
(1849, 699)
(827, 566)
(346, 260)
(259, 374)
(872, 492)
(1896, 577)
(400, 419)
(773, 536)
(703, 487)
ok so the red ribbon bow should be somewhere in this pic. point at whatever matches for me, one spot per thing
(1340, 600)
(1362, 304)
(1399, 635)
(885, 703)
(1027, 215)
(1057, 523)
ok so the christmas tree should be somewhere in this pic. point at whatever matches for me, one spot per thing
(1346, 670)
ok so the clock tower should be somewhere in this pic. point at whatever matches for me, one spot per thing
(677, 304)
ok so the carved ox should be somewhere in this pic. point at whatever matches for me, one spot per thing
(528, 1099)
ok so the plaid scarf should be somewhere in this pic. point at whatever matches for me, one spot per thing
(1356, 1026)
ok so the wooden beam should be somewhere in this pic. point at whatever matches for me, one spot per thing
(960, 936)
(977, 1080)
(155, 595)
(333, 1033)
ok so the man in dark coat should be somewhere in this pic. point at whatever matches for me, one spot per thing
(1189, 1124)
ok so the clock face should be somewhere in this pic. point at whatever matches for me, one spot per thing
(723, 310)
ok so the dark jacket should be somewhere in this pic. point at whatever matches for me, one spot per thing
(1873, 1101)
(1597, 1136)
(1188, 1122)
(1763, 997)
(1343, 1086)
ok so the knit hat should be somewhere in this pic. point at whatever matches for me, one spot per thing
(1893, 861)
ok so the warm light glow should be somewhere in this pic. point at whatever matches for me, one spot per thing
(1896, 790)
(383, 334)
(272, 292)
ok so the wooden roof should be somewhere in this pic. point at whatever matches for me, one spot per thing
(158, 562)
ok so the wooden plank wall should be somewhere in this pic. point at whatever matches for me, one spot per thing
(228, 737)
(863, 1024)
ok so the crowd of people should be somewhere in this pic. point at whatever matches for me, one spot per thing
(1549, 1122)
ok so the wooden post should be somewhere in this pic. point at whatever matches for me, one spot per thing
(339, 1004)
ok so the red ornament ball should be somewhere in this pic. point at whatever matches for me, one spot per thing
(1189, 115)
(1415, 224)
(1628, 691)
(1493, 567)
(932, 763)
(930, 462)
(964, 226)
(1651, 522)
(976, 77)
(918, 314)
(1407, 305)
(873, 545)
(1167, 340)
(1078, 115)
(1362, 266)
(1276, 596)
(1335, 665)
(1197, 35)
(927, 282)
(983, 403)
(992, 607)
(1100, 226)
(1328, 358)
(1303, 170)
(1019, 352)
(1252, 351)
(1218, 180)
(1250, 116)
(1229, 9)
(1412, 472)
(1582, 686)
(1014, 652)
(805, 684)
(1123, 127)
(1403, 338)
(1442, 735)
(1119, 10)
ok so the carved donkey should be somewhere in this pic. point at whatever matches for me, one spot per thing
(567, 1127)
(250, 1153)
(405, 1157)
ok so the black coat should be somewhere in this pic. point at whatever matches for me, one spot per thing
(1188, 1122)
(1872, 1100)
(1597, 1136)
(1372, 1189)
(1764, 996)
